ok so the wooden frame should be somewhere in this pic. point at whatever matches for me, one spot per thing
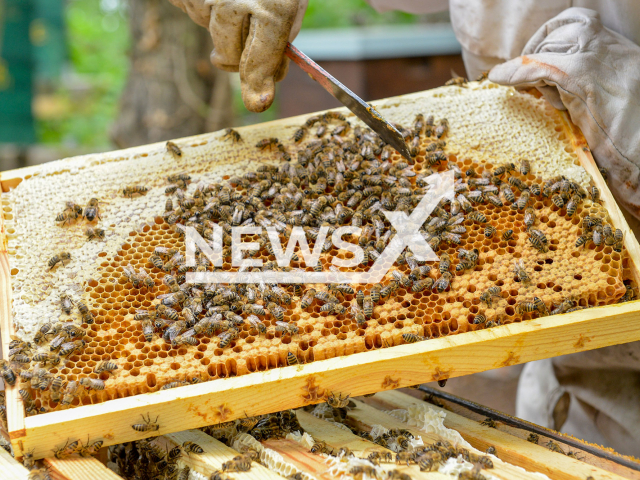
(257, 393)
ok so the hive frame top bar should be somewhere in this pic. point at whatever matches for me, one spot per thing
(227, 399)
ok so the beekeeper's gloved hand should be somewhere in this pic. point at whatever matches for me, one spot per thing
(250, 36)
(594, 73)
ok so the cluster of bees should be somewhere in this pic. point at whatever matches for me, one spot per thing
(74, 212)
(53, 344)
(355, 166)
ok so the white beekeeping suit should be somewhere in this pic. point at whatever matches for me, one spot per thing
(585, 60)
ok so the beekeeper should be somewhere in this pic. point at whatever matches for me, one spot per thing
(584, 60)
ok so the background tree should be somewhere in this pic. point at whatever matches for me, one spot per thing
(172, 89)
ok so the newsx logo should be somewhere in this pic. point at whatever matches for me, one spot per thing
(407, 235)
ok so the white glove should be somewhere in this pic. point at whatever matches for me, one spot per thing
(250, 36)
(594, 73)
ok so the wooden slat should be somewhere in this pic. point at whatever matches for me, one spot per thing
(300, 457)
(610, 461)
(10, 468)
(338, 438)
(511, 449)
(215, 454)
(15, 410)
(208, 403)
(80, 468)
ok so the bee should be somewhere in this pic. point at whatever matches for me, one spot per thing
(525, 307)
(401, 278)
(445, 263)
(256, 323)
(582, 240)
(443, 282)
(538, 240)
(147, 426)
(69, 348)
(489, 231)
(521, 273)
(572, 206)
(47, 359)
(598, 235)
(286, 328)
(227, 337)
(412, 337)
(375, 293)
(87, 316)
(59, 258)
(618, 237)
(69, 393)
(267, 143)
(519, 184)
(156, 261)
(554, 447)
(105, 366)
(291, 359)
(594, 192)
(66, 303)
(166, 312)
(533, 438)
(92, 233)
(299, 134)
(337, 401)
(489, 422)
(233, 135)
(308, 298)
(184, 339)
(525, 167)
(145, 278)
(342, 288)
(523, 200)
(442, 128)
(540, 306)
(423, 284)
(326, 297)
(557, 200)
(132, 190)
(173, 149)
(276, 310)
(390, 288)
(190, 447)
(92, 210)
(7, 373)
(477, 217)
(92, 383)
(489, 293)
(479, 319)
(507, 193)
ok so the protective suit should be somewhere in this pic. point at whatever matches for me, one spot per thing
(585, 60)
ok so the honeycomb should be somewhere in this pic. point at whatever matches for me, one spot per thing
(489, 126)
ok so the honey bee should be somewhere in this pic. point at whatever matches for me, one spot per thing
(276, 311)
(533, 438)
(191, 447)
(173, 149)
(92, 210)
(521, 273)
(7, 373)
(367, 306)
(132, 190)
(326, 297)
(572, 206)
(618, 237)
(92, 233)
(299, 134)
(523, 201)
(256, 323)
(167, 312)
(443, 282)
(423, 284)
(582, 240)
(87, 316)
(70, 392)
(489, 293)
(291, 359)
(525, 167)
(507, 193)
(456, 81)
(540, 306)
(479, 319)
(477, 217)
(59, 258)
(525, 307)
(401, 278)
(342, 288)
(594, 193)
(233, 135)
(558, 201)
(529, 217)
(445, 263)
(92, 383)
(538, 239)
(308, 298)
(227, 337)
(105, 366)
(489, 231)
(390, 288)
(442, 128)
(47, 359)
(267, 143)
(412, 337)
(375, 293)
(70, 348)
(156, 261)
(147, 426)
(66, 303)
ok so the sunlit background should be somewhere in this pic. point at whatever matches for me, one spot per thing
(80, 76)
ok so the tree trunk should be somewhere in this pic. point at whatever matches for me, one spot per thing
(172, 90)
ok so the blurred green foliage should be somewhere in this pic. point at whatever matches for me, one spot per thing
(85, 102)
(79, 110)
(347, 13)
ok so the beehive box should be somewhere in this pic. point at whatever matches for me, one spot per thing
(490, 125)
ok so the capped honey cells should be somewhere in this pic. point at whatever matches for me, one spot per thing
(523, 236)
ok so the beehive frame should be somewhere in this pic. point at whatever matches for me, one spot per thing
(290, 387)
